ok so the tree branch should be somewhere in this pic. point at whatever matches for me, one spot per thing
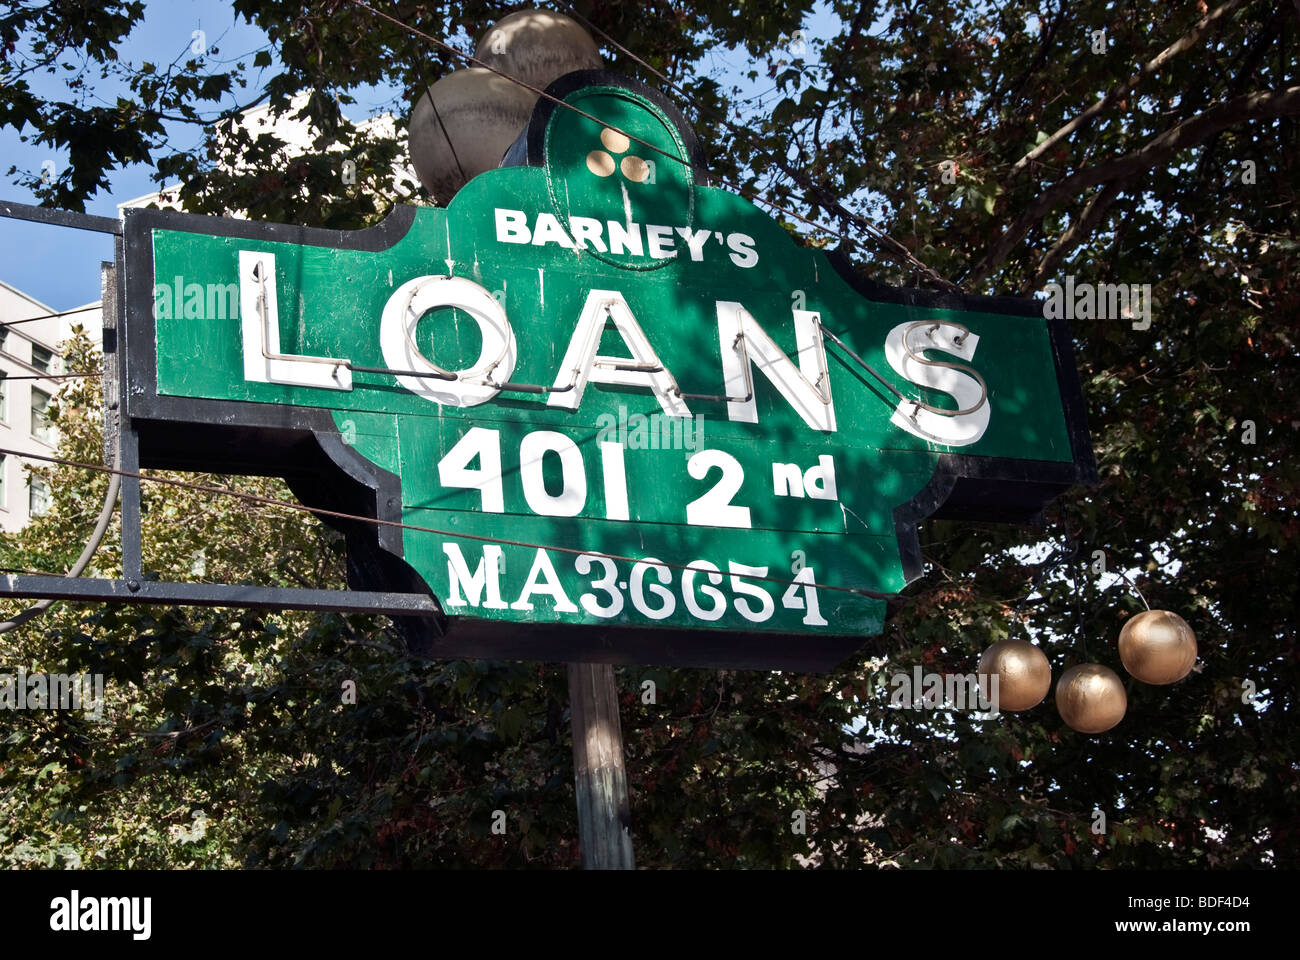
(865, 10)
(1252, 106)
(1186, 41)
(1040, 59)
(1079, 229)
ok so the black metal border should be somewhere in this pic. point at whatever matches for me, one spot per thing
(472, 637)
(90, 589)
(59, 218)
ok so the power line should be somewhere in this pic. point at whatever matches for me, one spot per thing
(896, 247)
(818, 192)
(428, 92)
(322, 512)
(48, 376)
(50, 316)
(527, 86)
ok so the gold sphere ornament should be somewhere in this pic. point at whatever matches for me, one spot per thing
(1024, 675)
(1091, 698)
(1157, 647)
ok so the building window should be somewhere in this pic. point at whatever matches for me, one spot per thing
(42, 429)
(4, 395)
(42, 359)
(4, 338)
(38, 500)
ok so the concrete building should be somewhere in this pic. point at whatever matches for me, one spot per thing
(30, 335)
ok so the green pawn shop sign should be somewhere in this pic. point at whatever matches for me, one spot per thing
(601, 410)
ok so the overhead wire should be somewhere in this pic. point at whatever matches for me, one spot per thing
(515, 80)
(819, 194)
(437, 115)
(895, 247)
(51, 316)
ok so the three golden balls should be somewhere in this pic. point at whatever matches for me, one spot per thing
(1024, 675)
(1157, 647)
(1090, 698)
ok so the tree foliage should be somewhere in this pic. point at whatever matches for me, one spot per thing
(921, 119)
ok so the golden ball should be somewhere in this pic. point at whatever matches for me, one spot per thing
(1024, 675)
(1157, 647)
(538, 47)
(1091, 698)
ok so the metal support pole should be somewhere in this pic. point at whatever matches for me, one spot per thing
(598, 774)
(117, 402)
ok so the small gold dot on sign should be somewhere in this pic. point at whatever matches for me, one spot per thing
(635, 169)
(600, 163)
(614, 141)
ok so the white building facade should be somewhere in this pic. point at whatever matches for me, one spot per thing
(30, 336)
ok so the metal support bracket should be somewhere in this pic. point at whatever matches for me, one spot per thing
(131, 590)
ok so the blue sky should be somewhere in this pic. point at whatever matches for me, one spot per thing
(60, 266)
